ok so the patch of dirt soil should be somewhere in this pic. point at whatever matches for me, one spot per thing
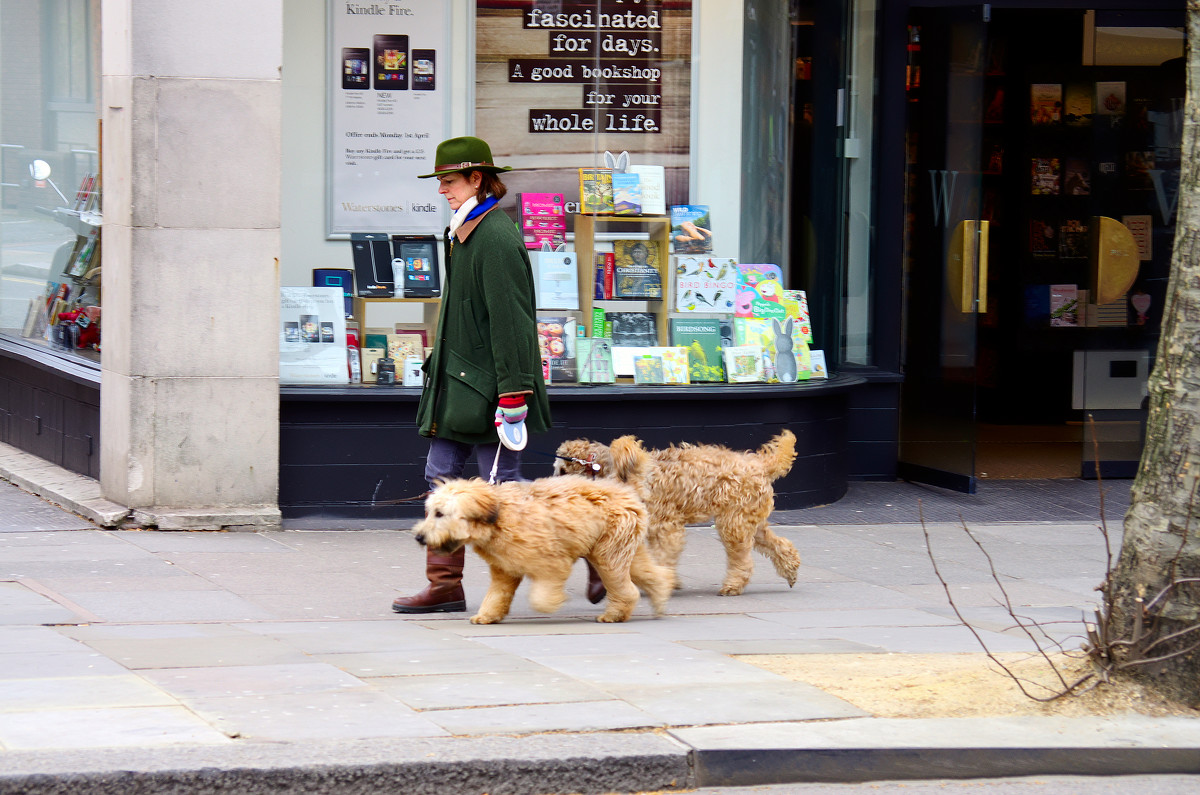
(964, 685)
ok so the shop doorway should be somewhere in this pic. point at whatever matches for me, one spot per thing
(1042, 164)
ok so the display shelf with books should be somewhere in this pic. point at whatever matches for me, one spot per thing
(655, 229)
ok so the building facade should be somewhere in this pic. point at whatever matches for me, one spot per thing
(977, 199)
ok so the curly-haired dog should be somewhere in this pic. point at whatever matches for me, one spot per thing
(538, 529)
(695, 483)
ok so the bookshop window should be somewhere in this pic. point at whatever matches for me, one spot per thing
(49, 189)
(558, 86)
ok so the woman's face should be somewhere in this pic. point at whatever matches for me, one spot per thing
(458, 187)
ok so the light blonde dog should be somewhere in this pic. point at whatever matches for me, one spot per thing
(694, 483)
(538, 529)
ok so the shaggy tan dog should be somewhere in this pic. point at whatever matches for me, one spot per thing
(538, 529)
(696, 483)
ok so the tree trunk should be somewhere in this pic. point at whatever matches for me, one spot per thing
(1162, 528)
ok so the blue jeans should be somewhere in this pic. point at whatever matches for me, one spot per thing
(448, 460)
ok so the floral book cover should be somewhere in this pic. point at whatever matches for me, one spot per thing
(648, 369)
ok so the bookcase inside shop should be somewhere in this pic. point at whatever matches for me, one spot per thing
(656, 230)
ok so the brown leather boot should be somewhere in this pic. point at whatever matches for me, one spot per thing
(595, 587)
(445, 593)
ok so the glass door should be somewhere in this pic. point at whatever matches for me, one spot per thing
(950, 87)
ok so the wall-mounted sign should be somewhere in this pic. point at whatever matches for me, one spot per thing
(387, 114)
(558, 83)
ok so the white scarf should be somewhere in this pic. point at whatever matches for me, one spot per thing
(461, 214)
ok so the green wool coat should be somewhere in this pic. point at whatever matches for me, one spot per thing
(486, 343)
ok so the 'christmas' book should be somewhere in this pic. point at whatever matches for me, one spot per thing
(636, 269)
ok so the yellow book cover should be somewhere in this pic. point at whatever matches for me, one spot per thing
(595, 191)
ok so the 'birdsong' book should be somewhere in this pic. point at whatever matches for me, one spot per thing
(701, 336)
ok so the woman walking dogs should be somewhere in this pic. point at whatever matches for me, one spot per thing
(483, 381)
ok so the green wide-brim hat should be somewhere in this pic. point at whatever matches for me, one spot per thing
(464, 154)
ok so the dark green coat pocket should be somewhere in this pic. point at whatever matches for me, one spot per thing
(470, 403)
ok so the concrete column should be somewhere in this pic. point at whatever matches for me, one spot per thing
(191, 167)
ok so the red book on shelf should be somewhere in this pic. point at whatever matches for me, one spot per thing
(610, 264)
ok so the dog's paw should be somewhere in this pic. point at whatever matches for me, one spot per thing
(480, 618)
(731, 590)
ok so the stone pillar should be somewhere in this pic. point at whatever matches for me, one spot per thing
(189, 402)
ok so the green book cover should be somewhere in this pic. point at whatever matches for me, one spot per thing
(702, 338)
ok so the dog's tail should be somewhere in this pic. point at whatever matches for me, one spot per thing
(778, 455)
(630, 460)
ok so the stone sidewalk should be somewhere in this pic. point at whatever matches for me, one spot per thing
(142, 661)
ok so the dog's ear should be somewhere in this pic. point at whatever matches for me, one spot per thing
(629, 459)
(479, 503)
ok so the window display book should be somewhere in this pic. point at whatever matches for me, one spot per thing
(759, 291)
(556, 339)
(691, 229)
(705, 284)
(543, 219)
(636, 269)
(701, 338)
(744, 364)
(595, 191)
(633, 329)
(652, 186)
(786, 356)
(594, 360)
(557, 279)
(796, 304)
(648, 369)
(627, 194)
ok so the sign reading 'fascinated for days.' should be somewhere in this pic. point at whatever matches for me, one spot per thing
(576, 79)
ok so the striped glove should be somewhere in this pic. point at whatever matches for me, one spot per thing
(510, 422)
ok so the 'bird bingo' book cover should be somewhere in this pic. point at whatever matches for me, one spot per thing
(705, 284)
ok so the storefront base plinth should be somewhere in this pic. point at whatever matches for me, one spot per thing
(354, 452)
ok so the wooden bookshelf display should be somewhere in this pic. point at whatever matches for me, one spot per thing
(657, 227)
(429, 312)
